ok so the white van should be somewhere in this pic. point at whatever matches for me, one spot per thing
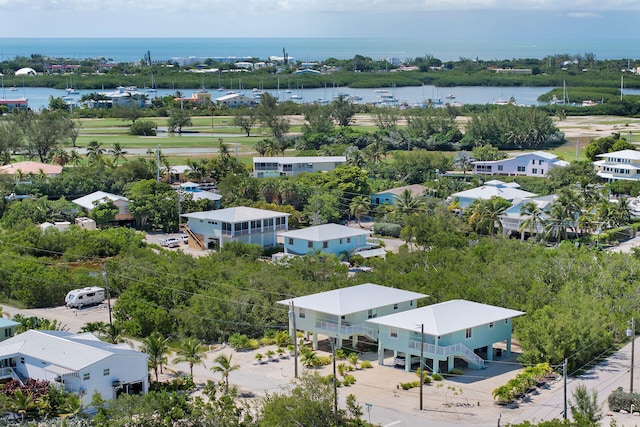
(171, 242)
(83, 297)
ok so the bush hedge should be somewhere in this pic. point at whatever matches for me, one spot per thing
(619, 400)
(387, 229)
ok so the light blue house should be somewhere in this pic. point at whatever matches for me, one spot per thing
(211, 229)
(333, 239)
(269, 167)
(193, 189)
(454, 329)
(7, 328)
(342, 313)
(512, 218)
(390, 196)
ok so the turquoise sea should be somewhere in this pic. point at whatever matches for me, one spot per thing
(314, 49)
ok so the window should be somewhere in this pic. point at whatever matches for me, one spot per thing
(539, 162)
(348, 239)
(340, 241)
(506, 320)
(467, 333)
(395, 306)
(393, 333)
(301, 313)
(325, 245)
(491, 325)
(411, 304)
(533, 162)
(310, 244)
(541, 171)
(534, 170)
(500, 167)
(522, 168)
(106, 372)
(290, 241)
(22, 360)
(86, 376)
(372, 313)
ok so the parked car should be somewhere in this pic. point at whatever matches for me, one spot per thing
(171, 242)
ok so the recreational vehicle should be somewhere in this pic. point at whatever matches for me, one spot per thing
(86, 296)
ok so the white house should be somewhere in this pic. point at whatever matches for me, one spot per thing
(264, 167)
(197, 193)
(512, 219)
(507, 190)
(233, 100)
(537, 163)
(90, 201)
(342, 313)
(453, 329)
(619, 165)
(212, 229)
(126, 97)
(328, 238)
(80, 363)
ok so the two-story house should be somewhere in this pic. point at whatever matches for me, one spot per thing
(90, 201)
(212, 229)
(537, 163)
(7, 328)
(507, 190)
(341, 313)
(619, 165)
(333, 239)
(266, 167)
(443, 332)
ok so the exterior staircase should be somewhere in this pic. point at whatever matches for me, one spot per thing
(195, 238)
(456, 350)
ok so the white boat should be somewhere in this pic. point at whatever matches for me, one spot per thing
(450, 96)
(72, 91)
(589, 103)
(13, 88)
(153, 88)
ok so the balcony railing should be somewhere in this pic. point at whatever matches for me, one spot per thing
(451, 350)
(347, 329)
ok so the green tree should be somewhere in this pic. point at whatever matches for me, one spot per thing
(584, 407)
(44, 132)
(533, 218)
(464, 161)
(178, 119)
(484, 215)
(360, 205)
(342, 111)
(104, 212)
(224, 366)
(155, 345)
(245, 119)
(308, 402)
(191, 352)
(95, 152)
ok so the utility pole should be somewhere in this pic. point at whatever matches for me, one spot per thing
(564, 375)
(631, 333)
(292, 316)
(577, 141)
(106, 284)
(335, 380)
(421, 363)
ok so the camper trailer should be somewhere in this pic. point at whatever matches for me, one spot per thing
(83, 297)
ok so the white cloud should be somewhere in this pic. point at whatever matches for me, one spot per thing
(581, 15)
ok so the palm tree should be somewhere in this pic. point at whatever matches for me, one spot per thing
(74, 158)
(485, 214)
(99, 327)
(190, 352)
(533, 216)
(406, 202)
(155, 345)
(225, 367)
(360, 205)
(94, 151)
(355, 158)
(117, 152)
(114, 334)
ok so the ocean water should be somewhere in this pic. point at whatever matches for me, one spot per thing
(313, 49)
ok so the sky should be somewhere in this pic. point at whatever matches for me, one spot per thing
(593, 19)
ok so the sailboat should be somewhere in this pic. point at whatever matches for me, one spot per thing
(153, 88)
(70, 90)
(565, 97)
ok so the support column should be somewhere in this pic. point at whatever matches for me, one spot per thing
(407, 362)
(315, 341)
(450, 363)
(436, 365)
(354, 341)
(490, 352)
(508, 347)
(380, 355)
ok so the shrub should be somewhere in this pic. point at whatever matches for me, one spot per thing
(455, 371)
(365, 364)
(143, 128)
(324, 360)
(408, 386)
(240, 342)
(387, 229)
(619, 400)
(348, 380)
(436, 377)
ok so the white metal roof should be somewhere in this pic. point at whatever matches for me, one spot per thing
(324, 232)
(237, 214)
(353, 299)
(416, 190)
(202, 194)
(487, 191)
(447, 317)
(622, 154)
(300, 159)
(88, 201)
(63, 349)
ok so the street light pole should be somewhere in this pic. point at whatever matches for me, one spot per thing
(421, 363)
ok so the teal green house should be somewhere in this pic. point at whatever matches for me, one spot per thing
(456, 329)
(7, 328)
